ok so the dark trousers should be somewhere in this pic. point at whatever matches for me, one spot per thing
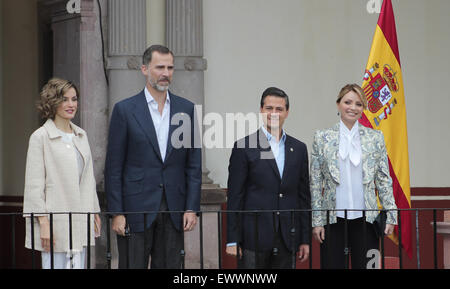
(360, 238)
(266, 259)
(163, 242)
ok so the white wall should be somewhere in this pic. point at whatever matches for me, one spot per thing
(312, 48)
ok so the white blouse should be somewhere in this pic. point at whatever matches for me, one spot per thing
(67, 139)
(350, 192)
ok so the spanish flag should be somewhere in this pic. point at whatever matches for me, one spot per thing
(386, 111)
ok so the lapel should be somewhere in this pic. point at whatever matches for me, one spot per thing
(333, 153)
(144, 118)
(364, 139)
(79, 144)
(288, 156)
(266, 151)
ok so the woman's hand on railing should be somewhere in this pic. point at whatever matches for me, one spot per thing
(44, 226)
(97, 225)
(319, 234)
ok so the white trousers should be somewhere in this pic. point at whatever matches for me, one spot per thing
(76, 260)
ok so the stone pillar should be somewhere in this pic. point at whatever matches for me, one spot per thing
(77, 56)
(184, 35)
(127, 43)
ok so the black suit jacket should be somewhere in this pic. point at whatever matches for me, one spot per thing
(135, 173)
(254, 183)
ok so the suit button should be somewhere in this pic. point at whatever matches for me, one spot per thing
(278, 213)
(281, 195)
(161, 186)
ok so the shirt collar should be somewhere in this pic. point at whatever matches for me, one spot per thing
(150, 98)
(54, 132)
(269, 136)
(345, 131)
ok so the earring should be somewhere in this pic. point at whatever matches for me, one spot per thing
(338, 113)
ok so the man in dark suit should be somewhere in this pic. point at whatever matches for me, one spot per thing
(268, 170)
(149, 171)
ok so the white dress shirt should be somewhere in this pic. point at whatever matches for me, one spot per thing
(160, 121)
(350, 192)
(277, 148)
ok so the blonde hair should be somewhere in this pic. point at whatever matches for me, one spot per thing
(355, 88)
(52, 95)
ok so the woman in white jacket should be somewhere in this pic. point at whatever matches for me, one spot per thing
(59, 178)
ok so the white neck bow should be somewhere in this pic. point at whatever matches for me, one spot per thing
(349, 144)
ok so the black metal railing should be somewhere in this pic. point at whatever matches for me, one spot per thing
(220, 216)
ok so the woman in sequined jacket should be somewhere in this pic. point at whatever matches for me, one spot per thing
(349, 169)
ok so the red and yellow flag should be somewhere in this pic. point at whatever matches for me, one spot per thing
(386, 111)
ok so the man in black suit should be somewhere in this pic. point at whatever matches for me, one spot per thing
(268, 170)
(149, 170)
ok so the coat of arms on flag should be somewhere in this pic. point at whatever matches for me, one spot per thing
(378, 88)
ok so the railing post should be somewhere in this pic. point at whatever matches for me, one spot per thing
(70, 241)
(346, 250)
(219, 245)
(417, 239)
(382, 246)
(256, 241)
(400, 258)
(201, 239)
(52, 259)
(364, 236)
(145, 241)
(435, 239)
(108, 241)
(310, 240)
(324, 261)
(88, 249)
(182, 255)
(293, 261)
(182, 252)
(274, 228)
(13, 241)
(32, 241)
(238, 246)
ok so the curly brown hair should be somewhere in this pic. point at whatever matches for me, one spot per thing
(52, 95)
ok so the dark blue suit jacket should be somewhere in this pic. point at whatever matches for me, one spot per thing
(136, 175)
(254, 183)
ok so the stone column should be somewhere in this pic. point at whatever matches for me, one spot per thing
(184, 35)
(126, 34)
(77, 56)
(127, 43)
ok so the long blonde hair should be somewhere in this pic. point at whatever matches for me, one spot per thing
(355, 88)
